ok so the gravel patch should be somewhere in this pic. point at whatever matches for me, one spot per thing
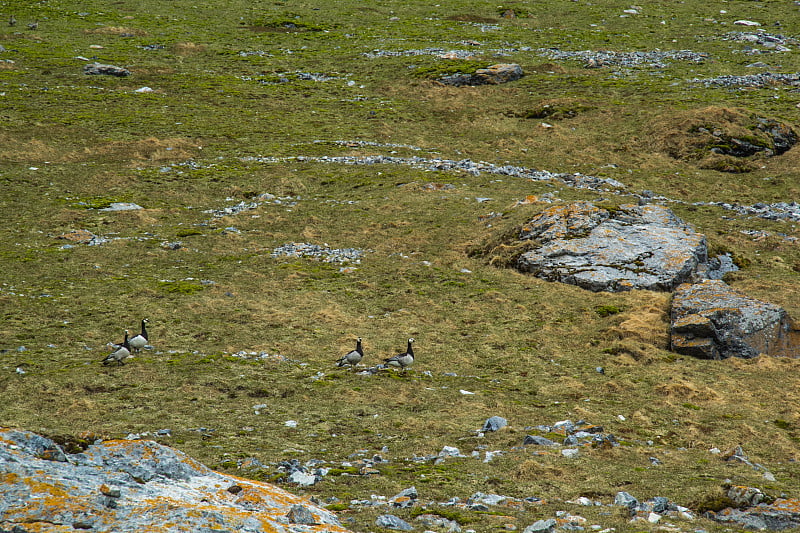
(777, 211)
(475, 168)
(760, 80)
(599, 58)
(319, 252)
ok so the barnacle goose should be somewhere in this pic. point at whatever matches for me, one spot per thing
(140, 341)
(402, 360)
(352, 358)
(122, 352)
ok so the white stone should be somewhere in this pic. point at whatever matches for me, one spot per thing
(302, 478)
(746, 23)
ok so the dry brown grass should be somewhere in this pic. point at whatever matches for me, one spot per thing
(116, 30)
(677, 134)
(188, 49)
(151, 150)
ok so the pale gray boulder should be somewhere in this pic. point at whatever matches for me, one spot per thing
(630, 247)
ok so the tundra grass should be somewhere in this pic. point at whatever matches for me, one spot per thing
(231, 82)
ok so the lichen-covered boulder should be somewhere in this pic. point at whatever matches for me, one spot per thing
(133, 486)
(755, 511)
(631, 247)
(710, 320)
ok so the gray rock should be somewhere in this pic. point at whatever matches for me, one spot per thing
(660, 505)
(450, 451)
(491, 75)
(300, 514)
(389, 521)
(710, 320)
(565, 426)
(304, 479)
(494, 423)
(122, 206)
(633, 247)
(98, 69)
(537, 440)
(432, 520)
(626, 500)
(777, 516)
(487, 499)
(83, 491)
(405, 498)
(717, 267)
(542, 526)
(745, 496)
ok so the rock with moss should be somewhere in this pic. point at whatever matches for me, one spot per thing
(137, 485)
(710, 320)
(612, 249)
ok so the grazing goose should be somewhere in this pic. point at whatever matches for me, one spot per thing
(140, 340)
(352, 358)
(33, 26)
(12, 20)
(122, 352)
(402, 360)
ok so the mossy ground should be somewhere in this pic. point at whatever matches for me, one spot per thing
(226, 85)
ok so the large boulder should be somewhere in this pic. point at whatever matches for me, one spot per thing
(630, 247)
(710, 320)
(132, 486)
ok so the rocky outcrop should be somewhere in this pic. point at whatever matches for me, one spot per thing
(98, 69)
(755, 511)
(631, 247)
(491, 75)
(132, 486)
(710, 320)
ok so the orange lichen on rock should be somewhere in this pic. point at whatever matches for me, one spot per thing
(133, 485)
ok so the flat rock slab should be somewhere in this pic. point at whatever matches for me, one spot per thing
(710, 320)
(136, 485)
(491, 75)
(99, 69)
(780, 515)
(631, 247)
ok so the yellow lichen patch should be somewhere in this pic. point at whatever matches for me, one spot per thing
(7, 478)
(276, 494)
(791, 505)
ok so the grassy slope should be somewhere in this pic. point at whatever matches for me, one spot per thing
(528, 349)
